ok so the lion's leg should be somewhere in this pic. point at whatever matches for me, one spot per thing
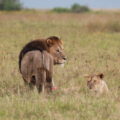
(29, 84)
(49, 82)
(32, 82)
(49, 79)
(40, 80)
(53, 83)
(25, 81)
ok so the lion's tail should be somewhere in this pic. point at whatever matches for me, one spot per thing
(20, 59)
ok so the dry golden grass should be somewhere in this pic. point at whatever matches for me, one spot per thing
(92, 45)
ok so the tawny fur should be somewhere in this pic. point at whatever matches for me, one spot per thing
(37, 70)
(36, 61)
(41, 45)
(96, 84)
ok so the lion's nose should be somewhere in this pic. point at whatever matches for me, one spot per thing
(64, 58)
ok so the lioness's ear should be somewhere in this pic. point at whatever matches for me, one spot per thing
(101, 75)
(49, 42)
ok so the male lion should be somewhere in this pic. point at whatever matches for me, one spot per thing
(96, 84)
(37, 69)
(36, 61)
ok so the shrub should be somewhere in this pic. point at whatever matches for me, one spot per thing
(75, 8)
(78, 8)
(10, 5)
(61, 10)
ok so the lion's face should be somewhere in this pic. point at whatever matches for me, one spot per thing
(57, 51)
(94, 80)
(58, 54)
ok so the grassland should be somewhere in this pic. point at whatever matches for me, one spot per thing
(92, 45)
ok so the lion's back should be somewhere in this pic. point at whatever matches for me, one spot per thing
(35, 60)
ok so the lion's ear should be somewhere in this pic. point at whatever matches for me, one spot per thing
(101, 75)
(49, 42)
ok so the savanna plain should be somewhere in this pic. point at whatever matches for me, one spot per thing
(92, 45)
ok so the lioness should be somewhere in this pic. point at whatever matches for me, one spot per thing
(36, 61)
(96, 84)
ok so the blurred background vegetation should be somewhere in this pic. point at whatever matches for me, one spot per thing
(75, 8)
(10, 5)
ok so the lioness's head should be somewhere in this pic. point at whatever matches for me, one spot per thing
(56, 49)
(94, 80)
